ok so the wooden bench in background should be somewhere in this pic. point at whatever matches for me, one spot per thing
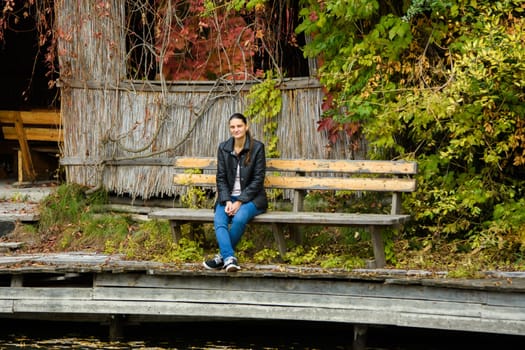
(25, 127)
(301, 176)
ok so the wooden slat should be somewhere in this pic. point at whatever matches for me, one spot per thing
(342, 166)
(8, 117)
(41, 117)
(33, 117)
(74, 161)
(334, 183)
(34, 134)
(195, 163)
(9, 133)
(312, 183)
(313, 165)
(286, 217)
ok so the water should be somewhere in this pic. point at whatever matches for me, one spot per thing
(19, 334)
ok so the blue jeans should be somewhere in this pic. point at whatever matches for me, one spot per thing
(229, 229)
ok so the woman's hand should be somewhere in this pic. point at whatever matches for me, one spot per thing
(232, 208)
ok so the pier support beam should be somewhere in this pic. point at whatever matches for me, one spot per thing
(116, 327)
(360, 333)
(17, 280)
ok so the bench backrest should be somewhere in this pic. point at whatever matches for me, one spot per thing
(302, 175)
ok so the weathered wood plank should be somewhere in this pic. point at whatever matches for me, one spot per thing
(41, 117)
(343, 166)
(69, 293)
(387, 315)
(33, 117)
(11, 245)
(298, 283)
(311, 183)
(188, 86)
(6, 306)
(306, 218)
(314, 300)
(22, 211)
(8, 117)
(34, 134)
(79, 161)
(312, 165)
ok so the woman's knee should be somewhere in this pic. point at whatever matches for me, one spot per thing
(240, 218)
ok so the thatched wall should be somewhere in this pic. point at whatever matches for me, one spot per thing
(123, 135)
(90, 40)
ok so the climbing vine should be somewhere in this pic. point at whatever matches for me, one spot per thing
(265, 104)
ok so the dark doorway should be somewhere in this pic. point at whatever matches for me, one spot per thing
(26, 85)
(24, 71)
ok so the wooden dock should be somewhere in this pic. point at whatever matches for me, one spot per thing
(108, 289)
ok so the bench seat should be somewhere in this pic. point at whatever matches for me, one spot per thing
(185, 215)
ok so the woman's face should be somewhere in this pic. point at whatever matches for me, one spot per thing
(238, 129)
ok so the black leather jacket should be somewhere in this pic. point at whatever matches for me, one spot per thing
(252, 174)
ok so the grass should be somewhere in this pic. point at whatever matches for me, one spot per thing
(70, 223)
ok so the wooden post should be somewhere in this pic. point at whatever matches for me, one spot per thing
(298, 206)
(116, 327)
(26, 171)
(360, 333)
(378, 245)
(17, 280)
(396, 203)
(176, 231)
(279, 239)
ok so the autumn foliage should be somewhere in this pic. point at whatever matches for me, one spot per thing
(203, 47)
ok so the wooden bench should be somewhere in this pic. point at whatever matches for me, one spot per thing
(301, 176)
(27, 126)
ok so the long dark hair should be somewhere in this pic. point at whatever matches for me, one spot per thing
(248, 135)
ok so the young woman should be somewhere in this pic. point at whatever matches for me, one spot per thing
(241, 168)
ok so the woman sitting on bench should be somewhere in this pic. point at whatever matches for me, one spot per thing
(241, 169)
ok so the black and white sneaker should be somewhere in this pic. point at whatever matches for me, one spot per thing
(230, 264)
(214, 264)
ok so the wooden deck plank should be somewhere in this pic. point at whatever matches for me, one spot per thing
(325, 287)
(290, 299)
(420, 317)
(19, 211)
(42, 293)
